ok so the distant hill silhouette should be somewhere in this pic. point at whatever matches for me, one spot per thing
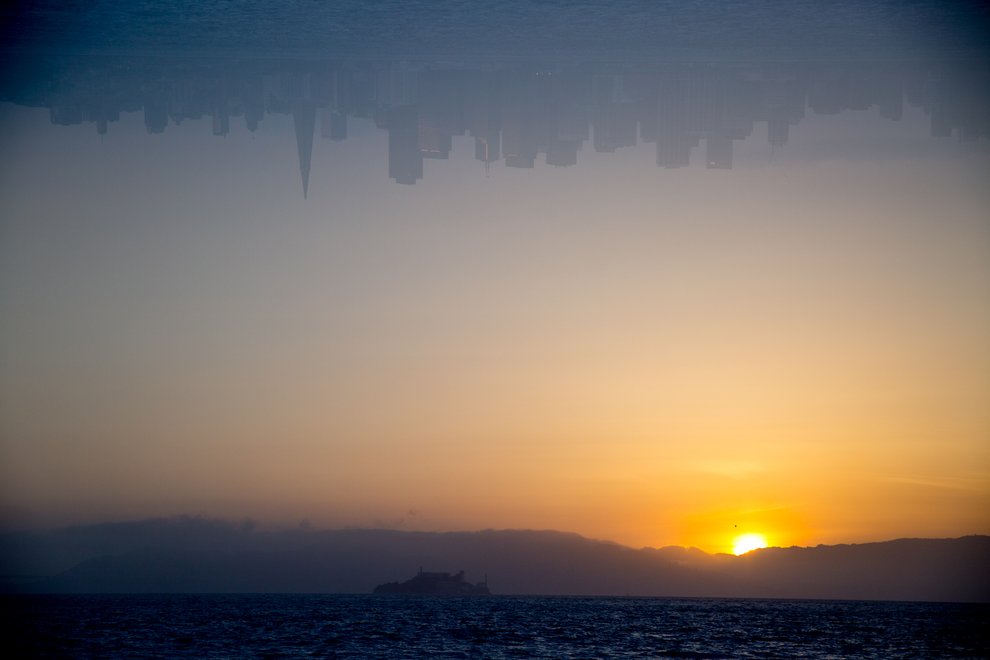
(198, 555)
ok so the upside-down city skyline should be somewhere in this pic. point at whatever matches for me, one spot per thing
(517, 113)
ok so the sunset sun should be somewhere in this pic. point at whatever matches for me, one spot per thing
(746, 542)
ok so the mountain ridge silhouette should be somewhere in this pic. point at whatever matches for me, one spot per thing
(186, 555)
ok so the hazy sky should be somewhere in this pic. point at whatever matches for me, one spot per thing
(796, 346)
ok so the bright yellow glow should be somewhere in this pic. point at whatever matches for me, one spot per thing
(743, 544)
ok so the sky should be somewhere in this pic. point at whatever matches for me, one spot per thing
(796, 346)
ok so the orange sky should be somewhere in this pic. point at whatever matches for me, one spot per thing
(649, 356)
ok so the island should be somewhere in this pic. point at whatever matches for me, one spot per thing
(427, 583)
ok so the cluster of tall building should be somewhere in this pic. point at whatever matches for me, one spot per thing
(519, 115)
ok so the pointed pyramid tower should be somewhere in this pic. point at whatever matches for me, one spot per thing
(304, 116)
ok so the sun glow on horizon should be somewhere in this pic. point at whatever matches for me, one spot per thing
(747, 542)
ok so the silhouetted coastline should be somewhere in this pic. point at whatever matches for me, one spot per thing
(194, 555)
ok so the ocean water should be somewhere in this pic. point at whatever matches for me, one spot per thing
(222, 626)
(600, 28)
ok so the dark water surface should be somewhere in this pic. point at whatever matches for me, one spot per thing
(355, 626)
(577, 27)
